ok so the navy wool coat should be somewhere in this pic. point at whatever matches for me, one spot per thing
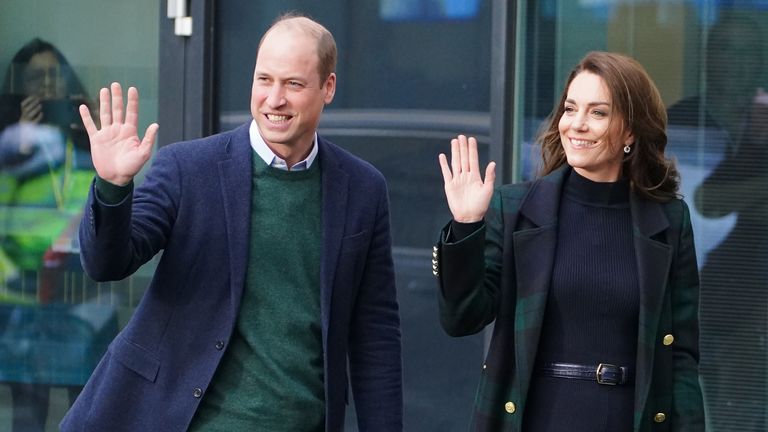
(503, 271)
(195, 206)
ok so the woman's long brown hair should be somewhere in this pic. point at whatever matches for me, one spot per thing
(637, 102)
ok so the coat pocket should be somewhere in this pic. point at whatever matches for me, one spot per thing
(355, 242)
(135, 358)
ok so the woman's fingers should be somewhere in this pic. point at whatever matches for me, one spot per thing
(455, 157)
(447, 176)
(490, 174)
(474, 163)
(464, 153)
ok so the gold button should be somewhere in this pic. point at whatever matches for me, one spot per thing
(484, 369)
(659, 417)
(434, 248)
(668, 339)
(510, 407)
(434, 272)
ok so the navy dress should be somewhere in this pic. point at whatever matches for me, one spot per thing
(592, 312)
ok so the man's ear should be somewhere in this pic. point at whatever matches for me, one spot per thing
(330, 88)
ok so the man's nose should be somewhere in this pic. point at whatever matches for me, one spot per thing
(276, 97)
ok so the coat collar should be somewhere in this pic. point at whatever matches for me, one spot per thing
(542, 204)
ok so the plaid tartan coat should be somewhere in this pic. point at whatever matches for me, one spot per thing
(509, 282)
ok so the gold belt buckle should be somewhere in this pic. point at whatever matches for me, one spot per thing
(599, 374)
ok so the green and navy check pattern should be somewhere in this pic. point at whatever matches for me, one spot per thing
(501, 274)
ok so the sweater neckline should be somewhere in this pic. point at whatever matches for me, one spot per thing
(597, 194)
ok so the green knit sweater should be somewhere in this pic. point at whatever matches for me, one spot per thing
(271, 376)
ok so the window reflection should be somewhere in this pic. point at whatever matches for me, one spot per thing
(52, 332)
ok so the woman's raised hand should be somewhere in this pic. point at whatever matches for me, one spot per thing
(467, 193)
(116, 150)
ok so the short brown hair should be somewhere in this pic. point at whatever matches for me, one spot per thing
(637, 101)
(326, 44)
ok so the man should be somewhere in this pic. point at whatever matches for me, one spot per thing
(276, 270)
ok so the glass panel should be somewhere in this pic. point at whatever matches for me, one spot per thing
(55, 323)
(708, 60)
(410, 77)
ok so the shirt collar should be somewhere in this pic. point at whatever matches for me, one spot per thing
(270, 158)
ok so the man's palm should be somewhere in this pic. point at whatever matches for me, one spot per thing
(117, 153)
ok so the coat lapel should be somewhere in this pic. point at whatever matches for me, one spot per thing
(236, 174)
(335, 184)
(535, 238)
(654, 258)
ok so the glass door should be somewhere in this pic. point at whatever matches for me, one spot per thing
(55, 323)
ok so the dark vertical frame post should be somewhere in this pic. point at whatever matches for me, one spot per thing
(503, 18)
(185, 95)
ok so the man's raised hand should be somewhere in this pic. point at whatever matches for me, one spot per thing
(116, 150)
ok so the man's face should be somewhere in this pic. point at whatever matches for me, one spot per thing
(287, 95)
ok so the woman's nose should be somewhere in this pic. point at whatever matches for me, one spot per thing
(579, 123)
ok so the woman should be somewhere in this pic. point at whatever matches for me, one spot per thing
(589, 271)
(45, 172)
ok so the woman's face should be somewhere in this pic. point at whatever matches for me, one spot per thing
(590, 131)
(44, 78)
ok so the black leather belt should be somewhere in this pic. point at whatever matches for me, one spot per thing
(603, 373)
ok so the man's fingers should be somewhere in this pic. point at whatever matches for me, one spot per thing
(132, 110)
(149, 137)
(447, 176)
(105, 115)
(85, 114)
(117, 103)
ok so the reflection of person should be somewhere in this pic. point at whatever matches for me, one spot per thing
(276, 284)
(589, 271)
(45, 169)
(734, 345)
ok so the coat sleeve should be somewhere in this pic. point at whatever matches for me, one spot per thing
(115, 240)
(469, 274)
(687, 401)
(375, 362)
